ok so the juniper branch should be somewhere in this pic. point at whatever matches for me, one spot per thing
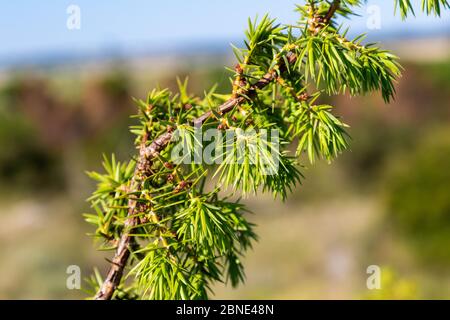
(269, 91)
(146, 156)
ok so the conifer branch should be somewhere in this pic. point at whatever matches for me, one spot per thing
(177, 252)
(146, 156)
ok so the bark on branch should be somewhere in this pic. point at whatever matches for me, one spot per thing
(333, 8)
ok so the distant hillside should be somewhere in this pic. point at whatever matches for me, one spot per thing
(417, 46)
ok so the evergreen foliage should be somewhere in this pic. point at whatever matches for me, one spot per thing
(173, 231)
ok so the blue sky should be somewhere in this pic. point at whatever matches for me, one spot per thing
(31, 27)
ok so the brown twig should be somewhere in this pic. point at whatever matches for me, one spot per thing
(146, 156)
(333, 8)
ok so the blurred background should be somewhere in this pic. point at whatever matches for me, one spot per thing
(65, 98)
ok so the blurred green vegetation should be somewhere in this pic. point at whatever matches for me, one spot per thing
(394, 287)
(24, 162)
(439, 73)
(418, 197)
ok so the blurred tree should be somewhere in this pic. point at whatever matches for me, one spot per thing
(177, 235)
(25, 163)
(418, 199)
